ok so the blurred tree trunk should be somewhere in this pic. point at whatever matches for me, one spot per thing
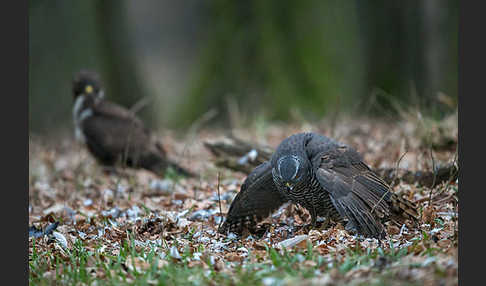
(391, 36)
(277, 57)
(411, 49)
(66, 36)
(440, 28)
(124, 82)
(62, 40)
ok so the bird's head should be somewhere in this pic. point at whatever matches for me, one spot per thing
(290, 171)
(87, 83)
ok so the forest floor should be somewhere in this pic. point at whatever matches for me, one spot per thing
(90, 227)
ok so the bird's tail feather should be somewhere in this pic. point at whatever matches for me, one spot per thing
(160, 165)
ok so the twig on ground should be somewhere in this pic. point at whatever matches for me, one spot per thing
(453, 171)
(435, 176)
(219, 201)
(396, 167)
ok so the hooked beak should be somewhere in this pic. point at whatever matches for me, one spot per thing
(289, 186)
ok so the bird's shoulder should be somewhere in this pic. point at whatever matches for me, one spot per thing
(323, 151)
(116, 114)
(111, 109)
(112, 122)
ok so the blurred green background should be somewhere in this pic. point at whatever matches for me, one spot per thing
(241, 59)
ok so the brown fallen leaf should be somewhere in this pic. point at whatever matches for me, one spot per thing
(393, 229)
(233, 256)
(219, 265)
(197, 263)
(136, 263)
(428, 215)
(444, 243)
(322, 249)
(260, 245)
(302, 244)
(180, 196)
(294, 241)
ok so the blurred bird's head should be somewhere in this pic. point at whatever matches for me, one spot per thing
(87, 83)
(290, 171)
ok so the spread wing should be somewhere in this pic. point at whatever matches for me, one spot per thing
(358, 194)
(257, 199)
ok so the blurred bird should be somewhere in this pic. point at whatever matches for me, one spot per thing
(112, 133)
(327, 178)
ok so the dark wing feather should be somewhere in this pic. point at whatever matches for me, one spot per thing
(110, 138)
(357, 193)
(110, 109)
(257, 199)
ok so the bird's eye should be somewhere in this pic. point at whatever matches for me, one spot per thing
(88, 89)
